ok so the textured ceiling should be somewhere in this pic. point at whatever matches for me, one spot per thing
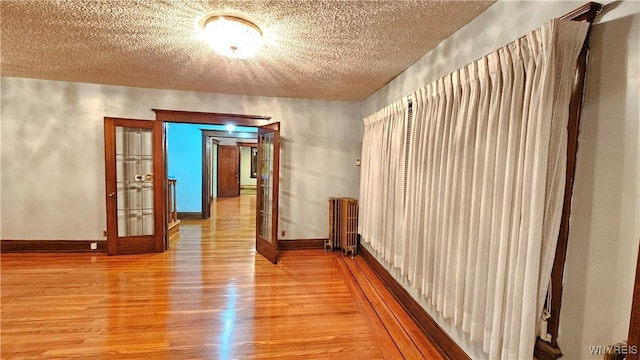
(342, 50)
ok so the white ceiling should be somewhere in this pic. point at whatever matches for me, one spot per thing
(330, 49)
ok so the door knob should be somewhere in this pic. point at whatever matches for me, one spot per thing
(112, 194)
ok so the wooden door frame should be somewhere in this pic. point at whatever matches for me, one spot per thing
(207, 145)
(543, 350)
(251, 146)
(216, 134)
(210, 118)
(204, 118)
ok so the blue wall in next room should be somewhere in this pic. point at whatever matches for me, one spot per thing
(184, 157)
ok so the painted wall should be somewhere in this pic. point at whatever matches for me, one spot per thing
(226, 141)
(605, 218)
(245, 168)
(605, 222)
(52, 180)
(184, 157)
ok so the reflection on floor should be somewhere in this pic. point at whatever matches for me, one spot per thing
(210, 297)
(248, 191)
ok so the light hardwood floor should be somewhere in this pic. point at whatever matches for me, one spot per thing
(210, 297)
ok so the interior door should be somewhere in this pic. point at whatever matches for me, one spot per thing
(267, 194)
(134, 186)
(228, 171)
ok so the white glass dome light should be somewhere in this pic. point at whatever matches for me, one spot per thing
(233, 37)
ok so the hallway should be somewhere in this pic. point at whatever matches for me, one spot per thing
(209, 297)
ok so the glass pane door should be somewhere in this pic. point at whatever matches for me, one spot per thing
(266, 186)
(134, 181)
(134, 175)
(267, 196)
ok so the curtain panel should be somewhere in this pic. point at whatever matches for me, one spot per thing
(484, 187)
(382, 179)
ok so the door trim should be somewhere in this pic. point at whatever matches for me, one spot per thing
(207, 173)
(196, 117)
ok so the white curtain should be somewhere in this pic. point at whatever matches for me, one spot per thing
(485, 186)
(382, 180)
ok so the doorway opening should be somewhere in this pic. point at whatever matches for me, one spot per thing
(205, 162)
(267, 165)
(228, 163)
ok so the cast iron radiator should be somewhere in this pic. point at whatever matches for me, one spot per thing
(343, 225)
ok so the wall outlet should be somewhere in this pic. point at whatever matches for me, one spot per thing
(94, 246)
(283, 233)
(104, 233)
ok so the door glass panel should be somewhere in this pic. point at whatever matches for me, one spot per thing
(266, 186)
(134, 181)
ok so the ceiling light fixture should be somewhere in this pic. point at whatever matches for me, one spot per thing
(233, 37)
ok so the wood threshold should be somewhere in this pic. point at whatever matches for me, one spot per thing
(19, 246)
(445, 345)
(174, 224)
(174, 231)
(189, 215)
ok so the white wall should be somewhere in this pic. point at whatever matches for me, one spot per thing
(224, 141)
(605, 219)
(52, 181)
(245, 168)
(605, 222)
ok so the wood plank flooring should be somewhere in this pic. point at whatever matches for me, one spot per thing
(210, 297)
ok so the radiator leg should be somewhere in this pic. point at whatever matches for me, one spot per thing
(350, 250)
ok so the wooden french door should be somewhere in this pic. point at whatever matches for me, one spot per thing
(134, 186)
(267, 194)
(228, 171)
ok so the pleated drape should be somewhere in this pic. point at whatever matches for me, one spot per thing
(485, 186)
(382, 179)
